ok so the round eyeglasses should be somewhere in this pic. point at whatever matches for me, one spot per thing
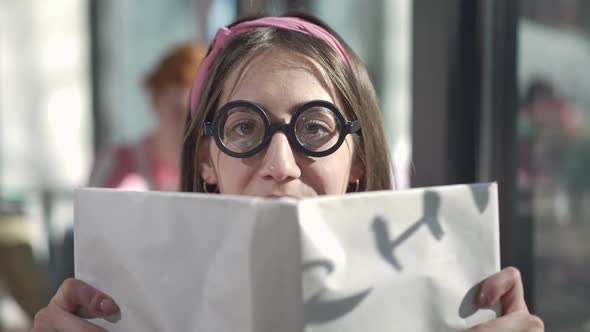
(242, 128)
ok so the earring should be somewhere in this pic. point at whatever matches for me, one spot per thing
(356, 185)
(206, 188)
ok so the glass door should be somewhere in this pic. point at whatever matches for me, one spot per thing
(553, 155)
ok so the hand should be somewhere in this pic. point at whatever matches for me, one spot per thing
(72, 297)
(506, 287)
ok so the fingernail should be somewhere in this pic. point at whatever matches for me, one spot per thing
(108, 307)
(482, 300)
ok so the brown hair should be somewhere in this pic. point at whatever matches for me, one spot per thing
(352, 85)
(178, 66)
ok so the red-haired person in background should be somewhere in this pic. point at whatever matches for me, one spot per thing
(153, 163)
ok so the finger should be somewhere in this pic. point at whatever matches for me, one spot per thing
(52, 319)
(514, 322)
(74, 295)
(67, 322)
(506, 286)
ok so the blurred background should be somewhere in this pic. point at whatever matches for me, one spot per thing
(489, 90)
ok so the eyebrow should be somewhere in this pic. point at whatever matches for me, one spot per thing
(269, 112)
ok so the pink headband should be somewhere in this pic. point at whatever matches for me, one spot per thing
(225, 35)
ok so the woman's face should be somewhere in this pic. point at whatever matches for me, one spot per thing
(280, 82)
(169, 104)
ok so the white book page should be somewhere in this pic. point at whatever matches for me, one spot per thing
(399, 261)
(172, 261)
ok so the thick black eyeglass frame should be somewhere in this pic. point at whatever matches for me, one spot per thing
(212, 128)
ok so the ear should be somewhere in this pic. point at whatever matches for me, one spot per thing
(206, 166)
(357, 169)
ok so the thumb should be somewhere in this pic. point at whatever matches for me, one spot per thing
(506, 287)
(77, 296)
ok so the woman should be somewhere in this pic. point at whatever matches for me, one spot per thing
(283, 107)
(153, 162)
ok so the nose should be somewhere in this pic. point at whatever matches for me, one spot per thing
(279, 160)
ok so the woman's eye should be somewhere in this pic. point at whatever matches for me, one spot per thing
(316, 127)
(244, 127)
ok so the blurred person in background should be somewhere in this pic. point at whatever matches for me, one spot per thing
(547, 128)
(547, 124)
(153, 163)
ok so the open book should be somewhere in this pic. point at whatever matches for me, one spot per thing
(407, 260)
